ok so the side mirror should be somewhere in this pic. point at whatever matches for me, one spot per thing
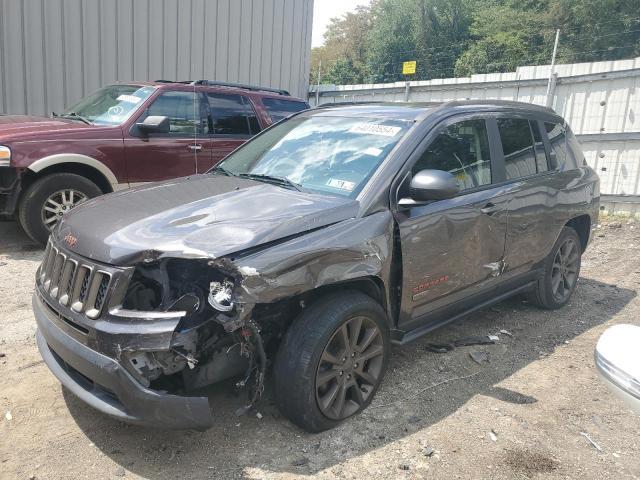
(617, 360)
(429, 185)
(154, 124)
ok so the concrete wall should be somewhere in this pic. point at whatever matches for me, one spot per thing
(600, 100)
(54, 52)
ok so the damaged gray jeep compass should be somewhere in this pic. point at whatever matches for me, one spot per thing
(306, 253)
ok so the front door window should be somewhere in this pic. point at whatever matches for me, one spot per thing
(462, 149)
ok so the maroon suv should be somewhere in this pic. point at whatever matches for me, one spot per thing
(124, 135)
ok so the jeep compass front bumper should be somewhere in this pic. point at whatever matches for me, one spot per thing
(106, 385)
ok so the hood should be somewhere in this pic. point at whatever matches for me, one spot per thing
(18, 127)
(201, 216)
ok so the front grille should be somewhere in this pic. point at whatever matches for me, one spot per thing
(74, 282)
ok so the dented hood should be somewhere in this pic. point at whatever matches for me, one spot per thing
(200, 216)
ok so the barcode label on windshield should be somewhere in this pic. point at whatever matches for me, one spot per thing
(375, 129)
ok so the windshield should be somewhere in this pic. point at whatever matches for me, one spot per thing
(110, 105)
(334, 155)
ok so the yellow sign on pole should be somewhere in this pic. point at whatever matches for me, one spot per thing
(409, 68)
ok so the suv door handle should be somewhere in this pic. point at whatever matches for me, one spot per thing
(490, 208)
(195, 148)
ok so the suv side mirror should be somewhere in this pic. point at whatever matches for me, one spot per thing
(431, 185)
(154, 124)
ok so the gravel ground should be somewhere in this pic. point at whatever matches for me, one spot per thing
(524, 413)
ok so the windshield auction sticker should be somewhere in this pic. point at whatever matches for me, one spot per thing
(128, 98)
(375, 129)
(341, 184)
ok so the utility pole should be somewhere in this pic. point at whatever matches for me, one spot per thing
(318, 83)
(551, 85)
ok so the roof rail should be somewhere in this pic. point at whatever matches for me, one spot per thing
(186, 82)
(256, 88)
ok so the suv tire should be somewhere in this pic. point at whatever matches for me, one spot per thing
(32, 203)
(561, 272)
(332, 360)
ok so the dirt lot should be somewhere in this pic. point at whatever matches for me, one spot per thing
(522, 414)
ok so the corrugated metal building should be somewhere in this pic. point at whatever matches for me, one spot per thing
(54, 52)
(600, 100)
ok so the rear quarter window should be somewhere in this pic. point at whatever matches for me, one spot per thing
(278, 108)
(561, 148)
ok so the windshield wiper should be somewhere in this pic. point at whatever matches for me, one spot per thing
(223, 170)
(75, 116)
(275, 179)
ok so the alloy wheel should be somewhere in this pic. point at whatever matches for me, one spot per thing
(564, 272)
(59, 203)
(350, 368)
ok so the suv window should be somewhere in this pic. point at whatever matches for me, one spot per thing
(518, 147)
(558, 140)
(183, 109)
(462, 149)
(541, 156)
(231, 115)
(279, 108)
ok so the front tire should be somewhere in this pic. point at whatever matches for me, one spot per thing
(561, 272)
(47, 199)
(332, 360)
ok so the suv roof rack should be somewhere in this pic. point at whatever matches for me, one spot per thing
(243, 86)
(186, 82)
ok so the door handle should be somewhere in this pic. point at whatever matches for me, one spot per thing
(195, 148)
(490, 208)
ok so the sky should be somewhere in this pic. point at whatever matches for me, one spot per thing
(324, 10)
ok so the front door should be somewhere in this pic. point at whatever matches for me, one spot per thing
(453, 248)
(163, 156)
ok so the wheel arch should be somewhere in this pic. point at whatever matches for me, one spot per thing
(582, 225)
(371, 286)
(78, 164)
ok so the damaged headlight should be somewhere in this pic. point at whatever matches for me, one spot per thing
(220, 295)
(190, 286)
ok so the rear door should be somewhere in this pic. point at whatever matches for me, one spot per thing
(281, 108)
(231, 121)
(161, 156)
(453, 248)
(536, 187)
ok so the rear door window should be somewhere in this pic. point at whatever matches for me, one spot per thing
(521, 148)
(279, 108)
(462, 149)
(541, 155)
(231, 115)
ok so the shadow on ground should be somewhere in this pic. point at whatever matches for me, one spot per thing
(407, 402)
(13, 240)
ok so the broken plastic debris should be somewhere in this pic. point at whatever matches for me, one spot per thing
(248, 271)
(258, 415)
(593, 444)
(8, 415)
(507, 333)
(479, 357)
(463, 342)
(493, 436)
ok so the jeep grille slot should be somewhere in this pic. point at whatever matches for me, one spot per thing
(74, 282)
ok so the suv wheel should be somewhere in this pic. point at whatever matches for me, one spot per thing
(561, 272)
(49, 198)
(332, 360)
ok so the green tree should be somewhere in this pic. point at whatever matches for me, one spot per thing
(463, 37)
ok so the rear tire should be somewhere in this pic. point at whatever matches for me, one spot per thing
(561, 271)
(310, 366)
(40, 194)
